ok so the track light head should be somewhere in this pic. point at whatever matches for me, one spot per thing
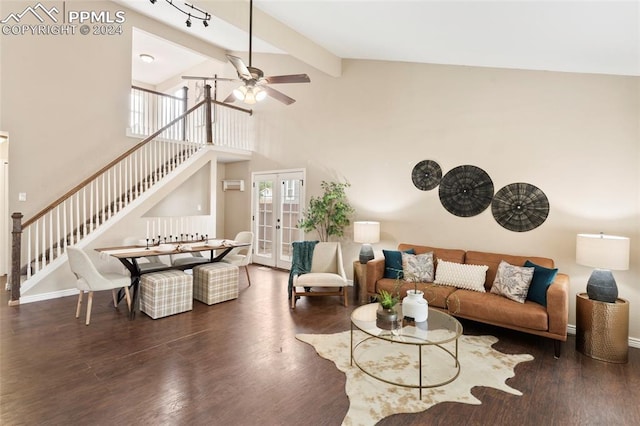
(190, 10)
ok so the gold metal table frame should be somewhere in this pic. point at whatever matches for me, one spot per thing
(449, 329)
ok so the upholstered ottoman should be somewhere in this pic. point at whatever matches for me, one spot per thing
(166, 293)
(215, 282)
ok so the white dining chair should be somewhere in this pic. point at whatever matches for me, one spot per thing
(241, 256)
(89, 279)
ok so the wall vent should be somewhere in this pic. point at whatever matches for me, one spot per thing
(233, 185)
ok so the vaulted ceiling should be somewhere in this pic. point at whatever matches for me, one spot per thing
(570, 36)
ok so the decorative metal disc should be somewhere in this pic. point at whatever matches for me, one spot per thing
(466, 191)
(520, 207)
(426, 175)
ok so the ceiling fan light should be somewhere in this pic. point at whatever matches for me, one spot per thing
(240, 93)
(250, 97)
(260, 94)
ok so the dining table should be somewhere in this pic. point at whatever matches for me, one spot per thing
(129, 255)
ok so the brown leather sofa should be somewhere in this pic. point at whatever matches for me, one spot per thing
(529, 317)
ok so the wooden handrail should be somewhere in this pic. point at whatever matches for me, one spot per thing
(142, 89)
(248, 111)
(108, 166)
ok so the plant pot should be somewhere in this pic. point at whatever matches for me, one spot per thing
(386, 318)
(415, 306)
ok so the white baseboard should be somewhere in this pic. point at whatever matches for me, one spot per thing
(48, 296)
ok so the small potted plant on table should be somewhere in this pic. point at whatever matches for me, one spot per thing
(386, 315)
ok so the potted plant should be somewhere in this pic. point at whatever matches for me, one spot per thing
(386, 315)
(329, 214)
(387, 300)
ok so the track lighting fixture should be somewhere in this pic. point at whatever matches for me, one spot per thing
(195, 12)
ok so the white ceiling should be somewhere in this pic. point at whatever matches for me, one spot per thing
(571, 35)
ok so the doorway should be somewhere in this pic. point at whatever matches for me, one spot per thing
(277, 200)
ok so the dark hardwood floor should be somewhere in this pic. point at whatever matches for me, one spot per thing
(238, 363)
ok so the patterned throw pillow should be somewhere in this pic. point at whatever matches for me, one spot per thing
(469, 277)
(418, 268)
(512, 281)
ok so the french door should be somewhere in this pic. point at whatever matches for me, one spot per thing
(277, 202)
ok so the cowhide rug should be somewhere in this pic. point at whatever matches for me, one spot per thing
(372, 400)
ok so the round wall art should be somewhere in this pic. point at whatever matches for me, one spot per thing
(466, 191)
(520, 207)
(426, 175)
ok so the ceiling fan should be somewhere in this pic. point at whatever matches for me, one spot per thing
(256, 85)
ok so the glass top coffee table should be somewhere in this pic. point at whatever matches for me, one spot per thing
(436, 348)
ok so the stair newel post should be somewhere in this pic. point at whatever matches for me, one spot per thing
(185, 105)
(16, 248)
(207, 113)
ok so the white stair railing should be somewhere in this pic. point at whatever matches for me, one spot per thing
(89, 205)
(38, 241)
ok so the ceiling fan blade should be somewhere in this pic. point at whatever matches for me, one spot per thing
(243, 71)
(278, 95)
(293, 78)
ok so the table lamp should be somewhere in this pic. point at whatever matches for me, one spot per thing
(367, 233)
(603, 252)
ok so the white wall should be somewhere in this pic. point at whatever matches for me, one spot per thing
(575, 136)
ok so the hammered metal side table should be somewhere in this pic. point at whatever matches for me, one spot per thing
(360, 281)
(602, 329)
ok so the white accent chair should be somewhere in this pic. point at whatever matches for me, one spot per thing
(327, 276)
(241, 256)
(89, 279)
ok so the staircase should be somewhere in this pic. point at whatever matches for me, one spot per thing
(39, 243)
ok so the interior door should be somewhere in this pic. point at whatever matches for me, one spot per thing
(277, 205)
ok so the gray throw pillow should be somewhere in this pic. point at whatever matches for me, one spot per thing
(512, 281)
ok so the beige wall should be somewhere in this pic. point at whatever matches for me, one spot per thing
(63, 98)
(575, 136)
(65, 101)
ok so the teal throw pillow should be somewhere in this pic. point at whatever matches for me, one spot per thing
(542, 279)
(393, 263)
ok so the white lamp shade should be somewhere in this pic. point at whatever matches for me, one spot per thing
(603, 251)
(366, 232)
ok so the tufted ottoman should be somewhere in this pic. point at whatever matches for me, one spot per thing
(215, 282)
(166, 293)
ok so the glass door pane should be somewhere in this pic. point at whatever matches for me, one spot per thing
(264, 186)
(277, 200)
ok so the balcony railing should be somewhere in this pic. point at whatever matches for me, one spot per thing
(231, 126)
